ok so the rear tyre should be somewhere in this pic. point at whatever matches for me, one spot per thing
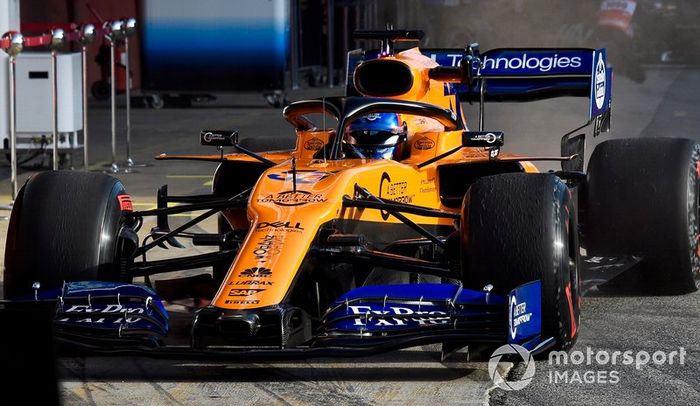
(517, 228)
(642, 200)
(63, 227)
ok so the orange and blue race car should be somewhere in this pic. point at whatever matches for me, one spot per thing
(391, 223)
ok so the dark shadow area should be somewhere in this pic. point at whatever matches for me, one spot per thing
(139, 369)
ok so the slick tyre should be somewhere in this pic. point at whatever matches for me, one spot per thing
(517, 228)
(642, 200)
(64, 226)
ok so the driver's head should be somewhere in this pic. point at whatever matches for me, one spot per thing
(376, 136)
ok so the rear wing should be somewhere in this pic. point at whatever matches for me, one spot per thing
(517, 75)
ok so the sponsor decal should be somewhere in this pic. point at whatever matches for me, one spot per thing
(256, 272)
(447, 59)
(518, 315)
(94, 314)
(242, 302)
(252, 282)
(421, 317)
(424, 143)
(222, 138)
(420, 120)
(541, 64)
(208, 136)
(489, 138)
(291, 198)
(280, 225)
(600, 82)
(268, 245)
(314, 144)
(395, 191)
(524, 312)
(244, 292)
(304, 176)
(125, 203)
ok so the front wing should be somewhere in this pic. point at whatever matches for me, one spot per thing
(126, 319)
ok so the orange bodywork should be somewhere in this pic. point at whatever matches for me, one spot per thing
(285, 218)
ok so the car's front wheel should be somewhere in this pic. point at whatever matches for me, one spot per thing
(517, 228)
(64, 226)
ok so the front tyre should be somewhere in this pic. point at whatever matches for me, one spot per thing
(64, 226)
(517, 228)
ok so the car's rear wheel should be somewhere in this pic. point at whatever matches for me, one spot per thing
(642, 200)
(517, 228)
(64, 226)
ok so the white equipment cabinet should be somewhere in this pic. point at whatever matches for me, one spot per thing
(34, 101)
(9, 21)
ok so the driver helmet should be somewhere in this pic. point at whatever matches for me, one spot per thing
(376, 136)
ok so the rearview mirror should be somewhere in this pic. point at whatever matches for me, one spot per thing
(218, 138)
(484, 139)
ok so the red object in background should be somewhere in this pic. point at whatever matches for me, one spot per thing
(618, 14)
(48, 12)
(101, 88)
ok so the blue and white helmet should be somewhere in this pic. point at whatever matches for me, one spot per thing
(376, 136)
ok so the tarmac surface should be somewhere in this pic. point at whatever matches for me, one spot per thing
(664, 105)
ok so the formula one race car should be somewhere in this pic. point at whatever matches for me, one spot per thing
(396, 226)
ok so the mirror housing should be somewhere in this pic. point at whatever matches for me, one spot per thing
(485, 139)
(218, 138)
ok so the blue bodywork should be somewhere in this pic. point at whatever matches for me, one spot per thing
(109, 312)
(115, 315)
(396, 309)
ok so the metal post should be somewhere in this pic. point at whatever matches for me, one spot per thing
(87, 35)
(115, 35)
(13, 128)
(16, 45)
(114, 166)
(54, 110)
(129, 161)
(83, 58)
(129, 29)
(331, 17)
(56, 43)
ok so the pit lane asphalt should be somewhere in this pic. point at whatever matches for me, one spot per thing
(663, 103)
